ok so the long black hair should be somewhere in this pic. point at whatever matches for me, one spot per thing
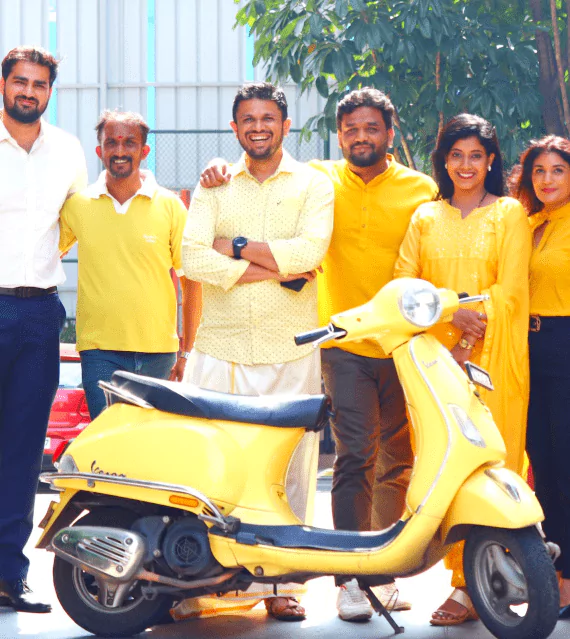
(460, 127)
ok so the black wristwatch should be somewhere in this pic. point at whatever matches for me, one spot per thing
(238, 244)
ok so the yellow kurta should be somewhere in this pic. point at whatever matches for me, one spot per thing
(486, 252)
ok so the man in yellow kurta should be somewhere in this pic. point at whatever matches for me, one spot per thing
(375, 197)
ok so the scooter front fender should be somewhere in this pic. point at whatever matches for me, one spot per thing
(495, 497)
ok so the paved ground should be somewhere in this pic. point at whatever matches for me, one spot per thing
(426, 592)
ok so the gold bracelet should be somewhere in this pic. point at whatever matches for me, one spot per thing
(463, 343)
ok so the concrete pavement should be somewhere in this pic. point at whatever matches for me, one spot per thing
(425, 591)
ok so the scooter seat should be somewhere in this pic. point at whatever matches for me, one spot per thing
(301, 411)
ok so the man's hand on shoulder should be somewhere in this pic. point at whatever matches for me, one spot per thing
(215, 175)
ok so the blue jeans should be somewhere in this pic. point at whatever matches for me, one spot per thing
(29, 375)
(99, 365)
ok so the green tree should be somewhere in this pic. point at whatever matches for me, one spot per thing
(435, 58)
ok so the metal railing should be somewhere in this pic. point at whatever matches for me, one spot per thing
(178, 156)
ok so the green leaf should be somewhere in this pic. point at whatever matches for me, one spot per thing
(322, 86)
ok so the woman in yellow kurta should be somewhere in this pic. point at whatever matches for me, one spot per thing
(474, 240)
(542, 183)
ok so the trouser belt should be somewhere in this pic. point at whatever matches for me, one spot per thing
(28, 291)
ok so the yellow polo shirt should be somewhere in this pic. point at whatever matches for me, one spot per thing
(370, 221)
(255, 322)
(125, 297)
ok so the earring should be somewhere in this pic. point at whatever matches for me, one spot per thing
(489, 168)
(445, 165)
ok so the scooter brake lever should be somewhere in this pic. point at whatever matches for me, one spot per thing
(334, 333)
(474, 298)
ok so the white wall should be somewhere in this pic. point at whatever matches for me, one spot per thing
(106, 45)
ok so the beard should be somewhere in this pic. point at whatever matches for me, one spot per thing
(363, 160)
(118, 174)
(264, 154)
(24, 115)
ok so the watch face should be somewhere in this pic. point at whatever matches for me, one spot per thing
(240, 242)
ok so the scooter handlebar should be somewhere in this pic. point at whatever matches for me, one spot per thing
(320, 335)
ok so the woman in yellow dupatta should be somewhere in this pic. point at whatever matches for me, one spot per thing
(474, 240)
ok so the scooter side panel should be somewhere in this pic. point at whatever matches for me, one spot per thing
(444, 457)
(233, 464)
(481, 501)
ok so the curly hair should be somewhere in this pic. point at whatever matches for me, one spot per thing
(460, 127)
(366, 97)
(520, 179)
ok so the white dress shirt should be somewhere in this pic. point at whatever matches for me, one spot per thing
(33, 188)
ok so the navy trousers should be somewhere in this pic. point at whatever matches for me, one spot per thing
(29, 376)
(548, 431)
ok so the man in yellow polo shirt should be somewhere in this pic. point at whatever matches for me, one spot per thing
(129, 234)
(375, 197)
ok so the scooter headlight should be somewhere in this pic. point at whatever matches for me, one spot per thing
(420, 303)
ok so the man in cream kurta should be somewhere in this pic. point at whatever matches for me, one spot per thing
(270, 225)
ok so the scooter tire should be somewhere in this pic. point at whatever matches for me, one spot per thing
(76, 590)
(504, 569)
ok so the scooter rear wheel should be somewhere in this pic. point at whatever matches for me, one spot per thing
(78, 591)
(512, 582)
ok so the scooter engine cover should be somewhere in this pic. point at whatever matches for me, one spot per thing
(99, 550)
(186, 548)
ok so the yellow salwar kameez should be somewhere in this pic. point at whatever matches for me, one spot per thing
(486, 252)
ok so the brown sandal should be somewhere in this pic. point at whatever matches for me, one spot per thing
(452, 618)
(285, 608)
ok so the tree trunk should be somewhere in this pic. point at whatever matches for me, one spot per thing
(551, 114)
(438, 87)
(559, 65)
(408, 153)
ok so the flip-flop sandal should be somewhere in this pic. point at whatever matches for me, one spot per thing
(285, 609)
(454, 618)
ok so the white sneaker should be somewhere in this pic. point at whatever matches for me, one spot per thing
(352, 604)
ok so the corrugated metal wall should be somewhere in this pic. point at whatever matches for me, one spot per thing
(178, 62)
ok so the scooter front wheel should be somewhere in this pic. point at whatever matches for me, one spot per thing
(81, 597)
(512, 582)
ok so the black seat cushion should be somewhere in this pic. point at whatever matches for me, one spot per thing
(316, 538)
(301, 411)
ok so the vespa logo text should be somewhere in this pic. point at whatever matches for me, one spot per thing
(98, 471)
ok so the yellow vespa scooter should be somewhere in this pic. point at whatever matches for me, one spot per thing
(176, 492)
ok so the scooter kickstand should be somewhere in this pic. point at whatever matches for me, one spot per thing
(382, 611)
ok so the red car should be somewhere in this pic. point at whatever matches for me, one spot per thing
(69, 413)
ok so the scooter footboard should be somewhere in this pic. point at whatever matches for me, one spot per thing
(494, 497)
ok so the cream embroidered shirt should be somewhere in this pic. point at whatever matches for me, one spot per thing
(292, 211)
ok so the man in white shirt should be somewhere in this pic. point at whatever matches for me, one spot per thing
(40, 165)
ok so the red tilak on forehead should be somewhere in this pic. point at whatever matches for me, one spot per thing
(120, 137)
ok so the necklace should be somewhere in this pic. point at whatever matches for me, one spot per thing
(475, 207)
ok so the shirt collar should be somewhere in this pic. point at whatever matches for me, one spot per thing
(379, 178)
(287, 165)
(99, 188)
(5, 135)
